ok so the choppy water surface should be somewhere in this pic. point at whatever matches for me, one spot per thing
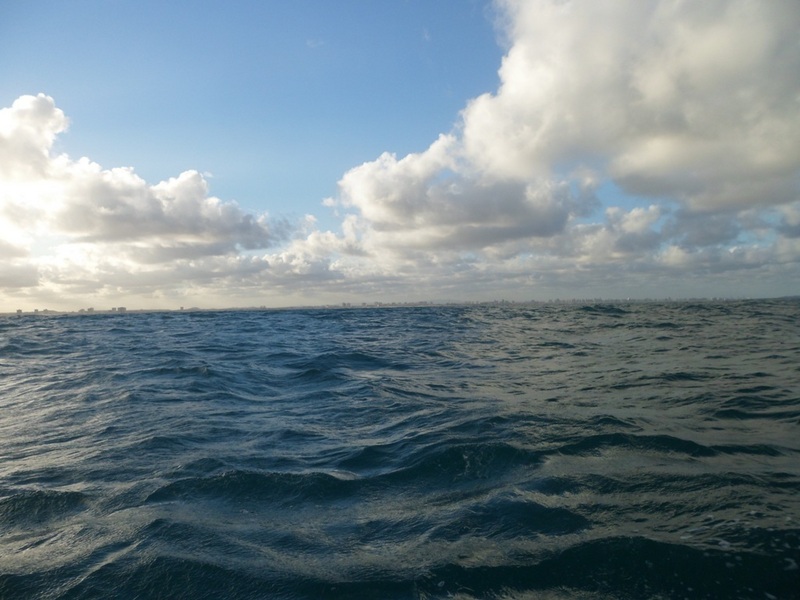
(608, 451)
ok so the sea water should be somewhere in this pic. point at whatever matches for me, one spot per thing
(628, 450)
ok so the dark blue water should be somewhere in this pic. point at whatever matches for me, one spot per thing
(598, 451)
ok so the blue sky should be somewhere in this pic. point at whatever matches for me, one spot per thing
(275, 99)
(160, 154)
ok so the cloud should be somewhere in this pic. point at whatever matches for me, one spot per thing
(691, 111)
(116, 205)
(790, 220)
(695, 102)
(433, 201)
(27, 132)
(75, 221)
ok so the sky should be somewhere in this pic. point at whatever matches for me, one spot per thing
(270, 153)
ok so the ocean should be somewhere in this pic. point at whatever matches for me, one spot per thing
(618, 450)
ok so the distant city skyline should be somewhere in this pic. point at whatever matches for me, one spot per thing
(285, 154)
(587, 302)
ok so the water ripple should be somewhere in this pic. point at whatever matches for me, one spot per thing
(555, 451)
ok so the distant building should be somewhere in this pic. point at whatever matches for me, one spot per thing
(121, 309)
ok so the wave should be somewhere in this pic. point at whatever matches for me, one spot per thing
(623, 567)
(244, 486)
(34, 507)
(649, 443)
(509, 516)
(612, 567)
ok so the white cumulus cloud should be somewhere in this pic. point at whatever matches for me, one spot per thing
(83, 228)
(689, 111)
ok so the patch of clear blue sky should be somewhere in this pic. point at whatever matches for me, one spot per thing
(276, 98)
